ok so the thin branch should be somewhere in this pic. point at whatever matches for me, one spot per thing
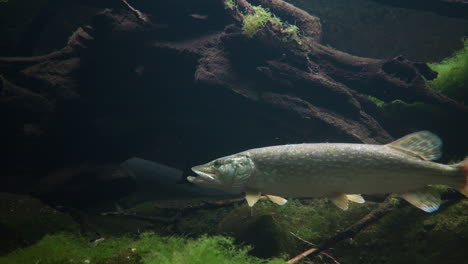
(302, 255)
(140, 15)
(330, 257)
(386, 207)
(303, 240)
(154, 219)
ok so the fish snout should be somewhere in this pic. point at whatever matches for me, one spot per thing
(206, 174)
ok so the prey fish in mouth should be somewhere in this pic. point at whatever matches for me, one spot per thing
(341, 172)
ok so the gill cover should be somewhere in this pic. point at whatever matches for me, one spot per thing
(234, 170)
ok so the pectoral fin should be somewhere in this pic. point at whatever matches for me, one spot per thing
(252, 197)
(341, 201)
(426, 200)
(357, 198)
(423, 144)
(276, 199)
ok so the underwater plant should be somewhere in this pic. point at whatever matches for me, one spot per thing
(261, 16)
(253, 22)
(66, 248)
(452, 79)
(229, 4)
(148, 249)
(376, 100)
(417, 237)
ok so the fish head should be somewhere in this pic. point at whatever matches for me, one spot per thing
(229, 174)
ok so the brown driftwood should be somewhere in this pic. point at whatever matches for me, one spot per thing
(187, 72)
(389, 205)
(177, 211)
(329, 73)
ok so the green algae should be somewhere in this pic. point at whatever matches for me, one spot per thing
(229, 4)
(147, 249)
(452, 79)
(252, 23)
(204, 250)
(25, 220)
(376, 100)
(200, 222)
(408, 235)
(269, 231)
(409, 111)
(418, 115)
(277, 230)
(66, 248)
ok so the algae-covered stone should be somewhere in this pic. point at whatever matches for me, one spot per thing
(274, 230)
(262, 231)
(408, 235)
(149, 248)
(24, 220)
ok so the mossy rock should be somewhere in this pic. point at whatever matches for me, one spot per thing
(147, 249)
(24, 220)
(409, 235)
(119, 225)
(274, 230)
(452, 79)
(263, 232)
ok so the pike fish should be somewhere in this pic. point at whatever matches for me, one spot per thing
(341, 172)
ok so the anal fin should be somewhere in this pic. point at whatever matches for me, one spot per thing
(276, 199)
(426, 200)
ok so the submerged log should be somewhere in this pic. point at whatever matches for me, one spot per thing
(191, 81)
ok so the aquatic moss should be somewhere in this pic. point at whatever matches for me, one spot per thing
(201, 222)
(276, 229)
(66, 248)
(416, 236)
(229, 4)
(319, 219)
(452, 79)
(260, 17)
(147, 249)
(376, 100)
(291, 32)
(414, 111)
(205, 250)
(27, 219)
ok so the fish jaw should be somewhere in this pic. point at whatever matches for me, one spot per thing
(206, 176)
(229, 173)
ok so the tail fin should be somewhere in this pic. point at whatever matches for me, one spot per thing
(463, 166)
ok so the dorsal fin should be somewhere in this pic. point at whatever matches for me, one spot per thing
(423, 144)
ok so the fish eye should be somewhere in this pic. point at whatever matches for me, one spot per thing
(217, 163)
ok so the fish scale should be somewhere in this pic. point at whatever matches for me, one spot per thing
(339, 171)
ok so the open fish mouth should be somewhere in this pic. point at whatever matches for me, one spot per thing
(205, 176)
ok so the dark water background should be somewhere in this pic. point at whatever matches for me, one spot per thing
(68, 122)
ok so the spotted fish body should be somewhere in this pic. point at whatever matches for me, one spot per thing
(317, 170)
(337, 171)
